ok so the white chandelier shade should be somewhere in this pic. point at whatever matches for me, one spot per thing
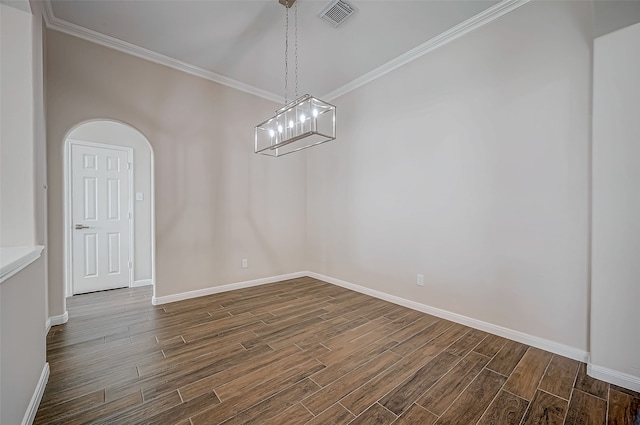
(301, 124)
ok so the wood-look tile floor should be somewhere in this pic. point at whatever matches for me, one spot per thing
(304, 352)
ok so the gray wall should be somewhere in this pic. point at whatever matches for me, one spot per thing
(22, 340)
(17, 209)
(470, 166)
(612, 15)
(216, 201)
(23, 297)
(615, 338)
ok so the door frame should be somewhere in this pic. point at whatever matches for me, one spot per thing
(68, 213)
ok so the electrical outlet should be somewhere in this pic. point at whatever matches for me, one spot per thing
(245, 263)
(420, 281)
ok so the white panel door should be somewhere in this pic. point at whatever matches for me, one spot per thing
(100, 218)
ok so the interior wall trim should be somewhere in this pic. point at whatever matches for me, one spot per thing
(475, 22)
(57, 320)
(14, 259)
(534, 341)
(481, 19)
(34, 403)
(57, 24)
(224, 288)
(141, 282)
(524, 338)
(614, 377)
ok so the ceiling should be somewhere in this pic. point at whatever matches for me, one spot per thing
(241, 42)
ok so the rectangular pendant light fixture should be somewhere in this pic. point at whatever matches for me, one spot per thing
(305, 122)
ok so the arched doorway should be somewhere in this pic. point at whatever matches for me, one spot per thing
(129, 250)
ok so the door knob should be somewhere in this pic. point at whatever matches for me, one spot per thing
(81, 226)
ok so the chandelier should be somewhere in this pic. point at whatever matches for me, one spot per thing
(302, 123)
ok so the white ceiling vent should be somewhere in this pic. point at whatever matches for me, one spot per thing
(337, 12)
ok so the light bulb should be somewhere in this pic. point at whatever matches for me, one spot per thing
(302, 117)
(272, 133)
(279, 129)
(315, 113)
(291, 124)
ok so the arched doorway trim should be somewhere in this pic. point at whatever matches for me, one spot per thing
(66, 202)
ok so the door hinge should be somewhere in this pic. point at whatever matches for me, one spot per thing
(130, 264)
(130, 214)
(128, 165)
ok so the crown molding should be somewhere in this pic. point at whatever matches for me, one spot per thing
(105, 40)
(475, 22)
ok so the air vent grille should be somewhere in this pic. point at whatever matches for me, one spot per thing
(337, 12)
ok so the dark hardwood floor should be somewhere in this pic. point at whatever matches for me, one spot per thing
(304, 352)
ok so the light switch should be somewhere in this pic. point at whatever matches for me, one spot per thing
(139, 196)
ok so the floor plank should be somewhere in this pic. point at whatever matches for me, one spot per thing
(353, 361)
(360, 399)
(591, 385)
(108, 409)
(490, 345)
(416, 415)
(303, 351)
(336, 415)
(296, 414)
(506, 409)
(274, 405)
(375, 415)
(333, 392)
(410, 343)
(473, 402)
(439, 397)
(525, 378)
(244, 400)
(507, 358)
(623, 409)
(403, 396)
(585, 409)
(182, 410)
(545, 409)
(560, 376)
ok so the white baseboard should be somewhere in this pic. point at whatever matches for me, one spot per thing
(57, 320)
(534, 341)
(614, 377)
(34, 403)
(224, 288)
(142, 282)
